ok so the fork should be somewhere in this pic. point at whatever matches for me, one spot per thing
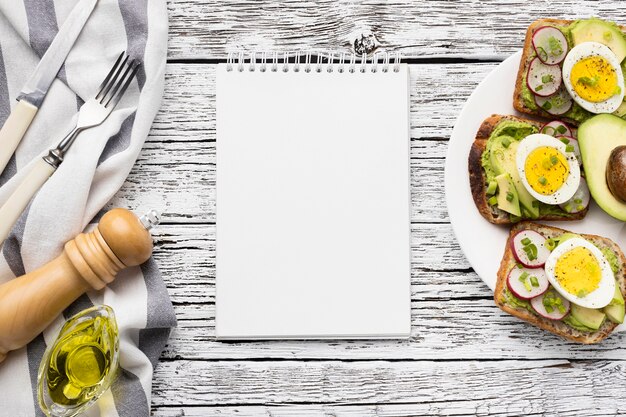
(92, 113)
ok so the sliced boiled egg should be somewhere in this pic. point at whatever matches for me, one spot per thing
(548, 171)
(581, 274)
(593, 77)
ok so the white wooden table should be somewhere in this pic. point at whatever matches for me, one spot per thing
(465, 357)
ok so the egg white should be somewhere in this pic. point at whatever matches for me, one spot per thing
(569, 187)
(599, 298)
(586, 50)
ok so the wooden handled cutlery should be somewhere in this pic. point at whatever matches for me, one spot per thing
(92, 113)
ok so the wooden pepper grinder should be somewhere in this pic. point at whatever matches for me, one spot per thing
(28, 304)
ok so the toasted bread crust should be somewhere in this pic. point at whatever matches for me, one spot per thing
(478, 180)
(557, 327)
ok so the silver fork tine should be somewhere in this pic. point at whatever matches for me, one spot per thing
(118, 82)
(102, 95)
(108, 77)
(114, 99)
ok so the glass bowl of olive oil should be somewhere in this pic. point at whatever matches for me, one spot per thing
(81, 364)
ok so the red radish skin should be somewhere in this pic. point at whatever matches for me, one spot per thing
(541, 40)
(550, 128)
(561, 102)
(537, 304)
(517, 287)
(538, 240)
(537, 70)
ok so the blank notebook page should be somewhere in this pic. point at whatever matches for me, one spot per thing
(313, 203)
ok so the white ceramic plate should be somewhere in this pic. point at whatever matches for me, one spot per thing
(482, 242)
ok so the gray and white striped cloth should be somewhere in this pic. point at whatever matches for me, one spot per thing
(94, 169)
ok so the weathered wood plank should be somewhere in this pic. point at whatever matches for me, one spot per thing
(504, 387)
(488, 29)
(456, 329)
(197, 284)
(175, 172)
(432, 246)
(468, 407)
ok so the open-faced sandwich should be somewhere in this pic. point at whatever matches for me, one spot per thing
(524, 170)
(572, 285)
(572, 70)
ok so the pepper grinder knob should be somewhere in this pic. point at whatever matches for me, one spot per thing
(28, 304)
(127, 236)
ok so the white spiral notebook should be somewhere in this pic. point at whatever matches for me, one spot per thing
(313, 199)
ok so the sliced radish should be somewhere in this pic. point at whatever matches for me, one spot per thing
(543, 80)
(529, 248)
(520, 282)
(580, 200)
(569, 140)
(557, 104)
(550, 45)
(556, 313)
(556, 128)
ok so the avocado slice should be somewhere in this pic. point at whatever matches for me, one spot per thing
(596, 30)
(588, 317)
(597, 137)
(615, 313)
(615, 310)
(503, 160)
(507, 189)
(498, 154)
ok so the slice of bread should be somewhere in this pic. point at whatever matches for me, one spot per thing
(557, 327)
(528, 54)
(478, 179)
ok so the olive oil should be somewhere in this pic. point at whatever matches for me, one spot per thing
(81, 364)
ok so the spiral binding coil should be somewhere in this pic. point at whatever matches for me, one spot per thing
(308, 62)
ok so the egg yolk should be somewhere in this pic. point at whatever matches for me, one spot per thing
(594, 79)
(578, 272)
(546, 170)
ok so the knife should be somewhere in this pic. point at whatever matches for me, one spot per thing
(34, 91)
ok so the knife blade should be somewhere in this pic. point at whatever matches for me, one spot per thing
(34, 91)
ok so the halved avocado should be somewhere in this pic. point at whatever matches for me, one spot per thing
(597, 137)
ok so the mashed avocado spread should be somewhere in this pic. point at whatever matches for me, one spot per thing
(518, 131)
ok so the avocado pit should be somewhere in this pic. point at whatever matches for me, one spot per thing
(616, 172)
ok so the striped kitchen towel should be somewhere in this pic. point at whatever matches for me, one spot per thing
(93, 171)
